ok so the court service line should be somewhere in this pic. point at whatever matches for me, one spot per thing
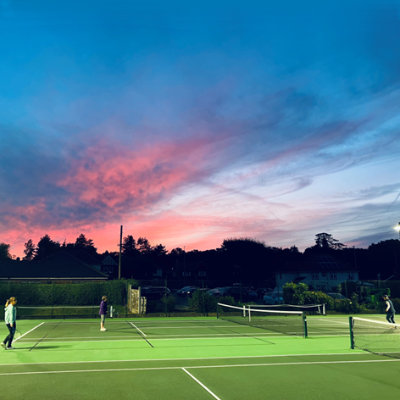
(327, 322)
(37, 326)
(201, 384)
(206, 336)
(81, 371)
(361, 353)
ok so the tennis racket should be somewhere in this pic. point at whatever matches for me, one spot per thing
(17, 334)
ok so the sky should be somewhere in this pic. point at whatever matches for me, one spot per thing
(194, 122)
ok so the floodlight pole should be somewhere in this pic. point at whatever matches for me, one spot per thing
(397, 228)
(120, 250)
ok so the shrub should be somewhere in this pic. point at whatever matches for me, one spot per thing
(293, 293)
(203, 302)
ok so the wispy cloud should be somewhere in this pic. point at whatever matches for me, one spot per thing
(239, 122)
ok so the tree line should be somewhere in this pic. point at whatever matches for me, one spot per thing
(242, 260)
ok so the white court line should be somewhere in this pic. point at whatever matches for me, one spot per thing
(359, 353)
(141, 332)
(123, 321)
(195, 327)
(202, 385)
(327, 322)
(206, 336)
(37, 326)
(80, 371)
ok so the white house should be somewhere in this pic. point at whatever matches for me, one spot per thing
(319, 272)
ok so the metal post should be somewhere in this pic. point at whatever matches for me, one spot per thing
(351, 332)
(305, 325)
(120, 250)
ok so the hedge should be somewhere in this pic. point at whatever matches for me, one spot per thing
(55, 294)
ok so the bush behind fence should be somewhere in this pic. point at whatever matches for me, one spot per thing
(55, 294)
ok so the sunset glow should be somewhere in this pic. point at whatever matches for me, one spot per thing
(191, 124)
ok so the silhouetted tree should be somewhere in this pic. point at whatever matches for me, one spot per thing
(326, 241)
(83, 243)
(384, 257)
(143, 245)
(247, 260)
(30, 250)
(129, 246)
(45, 247)
(159, 250)
(4, 251)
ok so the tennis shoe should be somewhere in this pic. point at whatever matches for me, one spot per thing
(3, 345)
(103, 329)
(10, 348)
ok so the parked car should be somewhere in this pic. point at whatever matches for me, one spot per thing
(337, 296)
(187, 290)
(219, 291)
(155, 292)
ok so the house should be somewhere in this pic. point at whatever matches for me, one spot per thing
(109, 267)
(59, 267)
(320, 272)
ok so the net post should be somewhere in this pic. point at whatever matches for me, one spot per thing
(351, 325)
(217, 310)
(305, 325)
(323, 309)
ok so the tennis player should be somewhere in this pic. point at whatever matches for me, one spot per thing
(10, 318)
(390, 311)
(103, 312)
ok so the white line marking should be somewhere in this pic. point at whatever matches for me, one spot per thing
(195, 327)
(374, 322)
(80, 371)
(141, 332)
(328, 322)
(212, 336)
(37, 326)
(359, 353)
(202, 385)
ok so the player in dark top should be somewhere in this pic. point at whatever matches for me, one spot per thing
(390, 311)
(103, 313)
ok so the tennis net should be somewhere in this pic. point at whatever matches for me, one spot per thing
(284, 322)
(376, 337)
(306, 308)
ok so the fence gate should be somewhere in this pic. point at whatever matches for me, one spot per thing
(136, 303)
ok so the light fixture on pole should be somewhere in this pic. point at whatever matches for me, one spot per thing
(397, 228)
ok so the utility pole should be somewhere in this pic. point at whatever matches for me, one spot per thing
(120, 251)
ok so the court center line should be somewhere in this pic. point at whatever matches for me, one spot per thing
(134, 326)
(141, 333)
(44, 337)
(37, 326)
(201, 384)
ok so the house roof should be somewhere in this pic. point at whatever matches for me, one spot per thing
(60, 265)
(109, 261)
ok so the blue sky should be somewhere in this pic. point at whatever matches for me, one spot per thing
(191, 123)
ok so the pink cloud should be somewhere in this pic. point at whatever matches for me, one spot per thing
(118, 180)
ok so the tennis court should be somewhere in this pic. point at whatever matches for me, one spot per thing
(191, 358)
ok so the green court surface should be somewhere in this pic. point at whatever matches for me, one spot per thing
(190, 358)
